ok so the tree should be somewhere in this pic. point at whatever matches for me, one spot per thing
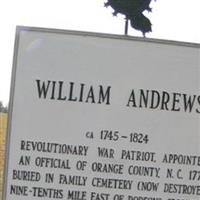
(133, 11)
(3, 108)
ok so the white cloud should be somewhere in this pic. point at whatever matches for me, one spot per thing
(172, 19)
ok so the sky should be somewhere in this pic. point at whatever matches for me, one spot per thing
(171, 20)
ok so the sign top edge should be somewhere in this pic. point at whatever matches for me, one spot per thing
(107, 35)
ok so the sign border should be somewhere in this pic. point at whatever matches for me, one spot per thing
(19, 29)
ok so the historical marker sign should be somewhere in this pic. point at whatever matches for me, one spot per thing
(101, 117)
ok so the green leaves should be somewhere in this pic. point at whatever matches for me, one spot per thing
(133, 11)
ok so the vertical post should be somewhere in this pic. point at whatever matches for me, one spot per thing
(126, 27)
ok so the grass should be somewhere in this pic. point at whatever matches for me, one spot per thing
(3, 126)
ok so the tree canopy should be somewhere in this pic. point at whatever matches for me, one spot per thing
(133, 11)
(3, 108)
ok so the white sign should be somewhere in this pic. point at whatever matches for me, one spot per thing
(103, 117)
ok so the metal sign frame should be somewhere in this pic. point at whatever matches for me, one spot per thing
(64, 32)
